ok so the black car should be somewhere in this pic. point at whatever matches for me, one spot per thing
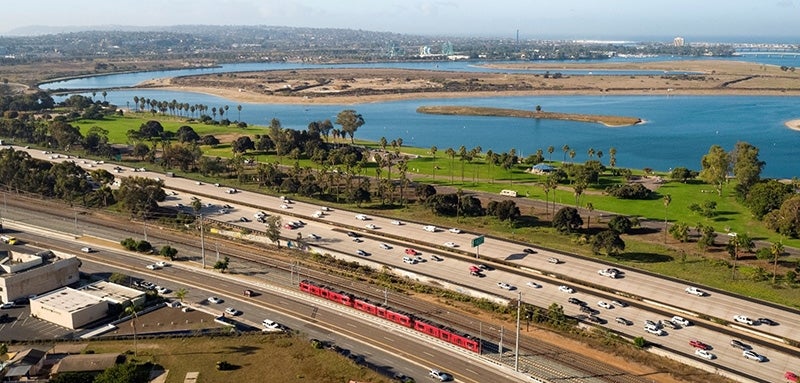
(594, 319)
(576, 301)
(738, 344)
(623, 321)
(485, 267)
(529, 251)
(768, 322)
(352, 234)
(588, 310)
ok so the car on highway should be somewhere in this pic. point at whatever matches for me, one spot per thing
(681, 321)
(743, 319)
(566, 289)
(430, 228)
(162, 264)
(353, 234)
(385, 246)
(361, 253)
(554, 260)
(244, 219)
(576, 301)
(485, 267)
(623, 321)
(533, 284)
(791, 376)
(232, 311)
(270, 325)
(214, 300)
(455, 231)
(325, 208)
(505, 286)
(477, 274)
(409, 260)
(284, 206)
(358, 240)
(589, 310)
(411, 251)
(669, 323)
(370, 226)
(441, 376)
(396, 222)
(767, 321)
(649, 323)
(317, 214)
(153, 267)
(735, 343)
(654, 331)
(619, 303)
(752, 355)
(436, 258)
(361, 217)
(595, 319)
(695, 291)
(87, 249)
(698, 344)
(528, 250)
(450, 244)
(704, 354)
(289, 226)
(605, 305)
(611, 273)
(313, 236)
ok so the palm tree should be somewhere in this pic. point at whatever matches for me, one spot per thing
(133, 310)
(452, 154)
(434, 149)
(590, 152)
(667, 201)
(590, 208)
(462, 156)
(565, 148)
(550, 150)
(776, 249)
(612, 159)
(181, 294)
(239, 108)
(572, 155)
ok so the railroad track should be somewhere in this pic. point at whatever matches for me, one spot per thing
(536, 358)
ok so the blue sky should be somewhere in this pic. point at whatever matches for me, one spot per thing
(572, 19)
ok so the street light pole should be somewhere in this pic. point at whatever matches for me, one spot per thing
(202, 242)
(516, 347)
(735, 252)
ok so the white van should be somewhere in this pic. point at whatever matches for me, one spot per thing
(429, 228)
(409, 260)
(509, 193)
(271, 325)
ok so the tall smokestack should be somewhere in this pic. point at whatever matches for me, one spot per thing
(517, 36)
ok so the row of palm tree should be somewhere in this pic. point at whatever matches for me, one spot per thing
(184, 109)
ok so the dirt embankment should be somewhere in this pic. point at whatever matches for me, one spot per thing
(610, 121)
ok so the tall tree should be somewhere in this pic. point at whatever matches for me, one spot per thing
(350, 121)
(434, 149)
(667, 201)
(746, 167)
(452, 154)
(715, 167)
(776, 249)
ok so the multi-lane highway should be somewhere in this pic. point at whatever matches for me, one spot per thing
(654, 298)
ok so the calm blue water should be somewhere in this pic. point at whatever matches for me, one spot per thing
(678, 131)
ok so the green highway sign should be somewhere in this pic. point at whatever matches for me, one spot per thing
(477, 241)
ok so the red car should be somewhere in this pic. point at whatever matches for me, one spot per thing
(790, 376)
(698, 344)
(411, 252)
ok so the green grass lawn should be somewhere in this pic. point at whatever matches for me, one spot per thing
(260, 358)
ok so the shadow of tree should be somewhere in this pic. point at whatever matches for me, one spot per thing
(246, 350)
(645, 257)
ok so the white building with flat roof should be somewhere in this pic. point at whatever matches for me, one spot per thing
(69, 308)
(115, 293)
(23, 275)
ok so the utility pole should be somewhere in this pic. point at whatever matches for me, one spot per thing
(500, 348)
(516, 347)
(202, 243)
(144, 226)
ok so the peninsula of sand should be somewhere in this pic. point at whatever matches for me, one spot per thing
(793, 124)
(611, 121)
(345, 86)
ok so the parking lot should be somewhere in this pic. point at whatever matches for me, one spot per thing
(19, 325)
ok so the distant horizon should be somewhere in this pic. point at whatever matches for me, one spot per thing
(636, 20)
(28, 31)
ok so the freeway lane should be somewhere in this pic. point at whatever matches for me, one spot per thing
(718, 305)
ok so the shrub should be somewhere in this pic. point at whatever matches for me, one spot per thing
(629, 191)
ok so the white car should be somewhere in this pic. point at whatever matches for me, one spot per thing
(681, 321)
(361, 253)
(232, 311)
(271, 325)
(752, 355)
(214, 300)
(605, 305)
(284, 206)
(450, 244)
(325, 208)
(743, 319)
(611, 273)
(533, 284)
(317, 214)
(619, 303)
(162, 264)
(566, 289)
(313, 236)
(385, 246)
(442, 376)
(361, 217)
(654, 331)
(371, 226)
(397, 223)
(87, 249)
(153, 267)
(162, 290)
(704, 354)
(695, 291)
(455, 231)
(504, 286)
(7, 305)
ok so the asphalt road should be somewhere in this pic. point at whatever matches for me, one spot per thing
(455, 266)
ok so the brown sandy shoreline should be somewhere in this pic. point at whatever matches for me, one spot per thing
(793, 124)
